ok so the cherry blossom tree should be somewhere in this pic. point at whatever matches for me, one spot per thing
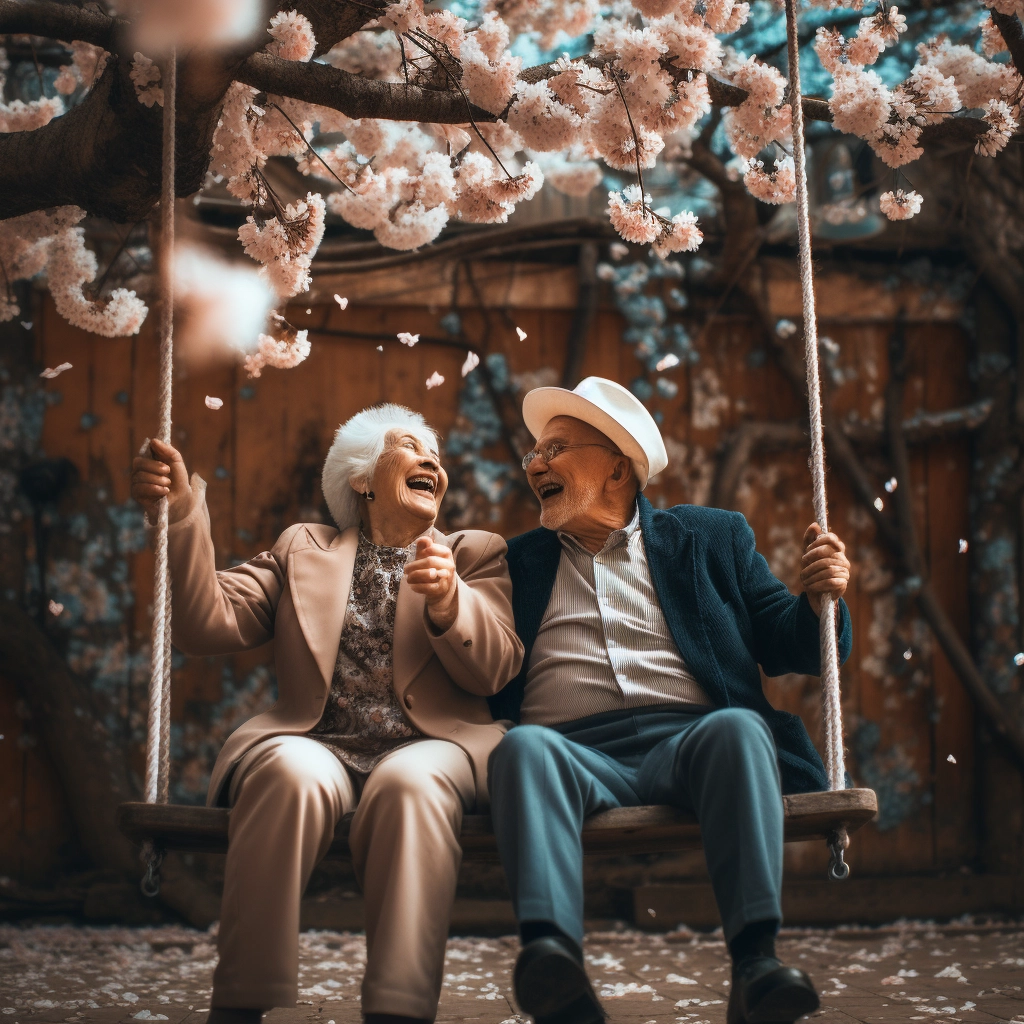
(405, 117)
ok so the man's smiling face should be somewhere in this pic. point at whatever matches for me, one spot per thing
(571, 484)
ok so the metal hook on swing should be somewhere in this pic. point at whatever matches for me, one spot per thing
(153, 858)
(838, 869)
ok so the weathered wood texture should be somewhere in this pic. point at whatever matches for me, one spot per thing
(261, 456)
(632, 830)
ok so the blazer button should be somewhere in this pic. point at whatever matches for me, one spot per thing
(408, 700)
(467, 643)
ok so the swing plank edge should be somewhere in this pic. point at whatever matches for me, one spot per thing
(616, 832)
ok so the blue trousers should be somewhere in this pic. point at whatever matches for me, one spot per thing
(721, 765)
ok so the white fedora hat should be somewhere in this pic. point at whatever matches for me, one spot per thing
(610, 408)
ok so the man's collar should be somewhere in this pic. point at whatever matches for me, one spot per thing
(615, 538)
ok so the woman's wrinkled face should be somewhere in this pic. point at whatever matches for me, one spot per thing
(408, 479)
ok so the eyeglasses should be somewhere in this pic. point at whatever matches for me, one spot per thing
(555, 448)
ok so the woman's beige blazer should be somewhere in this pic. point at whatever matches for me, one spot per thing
(296, 594)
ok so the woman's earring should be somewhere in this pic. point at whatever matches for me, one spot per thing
(368, 495)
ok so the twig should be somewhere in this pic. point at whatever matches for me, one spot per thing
(636, 142)
(458, 85)
(97, 289)
(305, 142)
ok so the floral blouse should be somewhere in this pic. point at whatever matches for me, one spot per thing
(362, 720)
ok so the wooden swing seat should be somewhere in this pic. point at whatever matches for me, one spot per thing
(616, 832)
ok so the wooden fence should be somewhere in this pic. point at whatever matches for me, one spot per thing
(910, 725)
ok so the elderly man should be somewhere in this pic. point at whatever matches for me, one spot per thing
(643, 631)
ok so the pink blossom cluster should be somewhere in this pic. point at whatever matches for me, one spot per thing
(947, 78)
(70, 267)
(761, 118)
(285, 244)
(87, 64)
(572, 178)
(18, 116)
(490, 75)
(1000, 116)
(551, 20)
(52, 241)
(992, 41)
(24, 250)
(145, 76)
(776, 186)
(900, 205)
(281, 353)
(631, 215)
(292, 36)
(978, 80)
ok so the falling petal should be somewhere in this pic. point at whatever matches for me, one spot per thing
(521, 333)
(434, 380)
(408, 339)
(891, 484)
(55, 608)
(667, 362)
(214, 403)
(56, 371)
(340, 301)
(471, 363)
(962, 546)
(879, 504)
(1018, 658)
(380, 348)
(908, 654)
(951, 759)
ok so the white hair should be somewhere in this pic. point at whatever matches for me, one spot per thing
(358, 445)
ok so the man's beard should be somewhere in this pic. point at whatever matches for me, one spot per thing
(556, 512)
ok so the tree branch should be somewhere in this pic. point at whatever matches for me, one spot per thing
(924, 426)
(913, 560)
(475, 243)
(956, 131)
(1013, 35)
(58, 21)
(748, 437)
(335, 20)
(354, 96)
(755, 436)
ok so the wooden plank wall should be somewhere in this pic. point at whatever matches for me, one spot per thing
(261, 456)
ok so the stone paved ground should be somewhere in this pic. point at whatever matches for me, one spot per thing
(969, 972)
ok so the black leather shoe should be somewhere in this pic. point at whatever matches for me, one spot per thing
(552, 986)
(765, 991)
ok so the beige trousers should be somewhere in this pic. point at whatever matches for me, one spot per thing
(287, 795)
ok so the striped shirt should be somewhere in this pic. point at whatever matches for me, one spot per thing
(604, 644)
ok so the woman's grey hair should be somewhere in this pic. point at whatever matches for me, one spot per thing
(358, 445)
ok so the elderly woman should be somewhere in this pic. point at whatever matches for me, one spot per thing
(388, 636)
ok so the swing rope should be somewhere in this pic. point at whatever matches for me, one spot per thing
(831, 704)
(159, 721)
